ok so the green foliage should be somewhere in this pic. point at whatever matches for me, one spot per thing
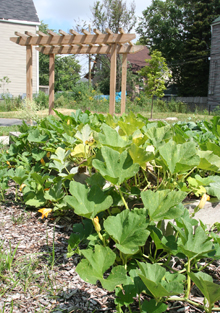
(124, 177)
(67, 68)
(155, 73)
(181, 31)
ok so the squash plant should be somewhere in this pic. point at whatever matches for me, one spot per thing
(127, 179)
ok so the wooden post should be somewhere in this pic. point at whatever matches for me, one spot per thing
(112, 79)
(29, 72)
(51, 83)
(123, 83)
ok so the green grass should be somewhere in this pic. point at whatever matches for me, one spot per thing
(5, 130)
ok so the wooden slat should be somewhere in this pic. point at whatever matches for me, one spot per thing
(121, 31)
(97, 31)
(51, 83)
(73, 32)
(63, 33)
(113, 79)
(50, 32)
(41, 34)
(29, 62)
(85, 32)
(76, 39)
(85, 49)
(108, 31)
(29, 34)
(123, 83)
(21, 35)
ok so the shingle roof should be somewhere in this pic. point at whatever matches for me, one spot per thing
(216, 21)
(22, 10)
(137, 60)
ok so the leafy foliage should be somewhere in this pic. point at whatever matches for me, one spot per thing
(125, 182)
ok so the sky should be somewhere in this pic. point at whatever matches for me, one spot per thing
(62, 14)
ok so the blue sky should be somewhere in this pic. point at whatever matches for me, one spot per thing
(61, 14)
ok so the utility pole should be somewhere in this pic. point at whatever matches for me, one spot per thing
(90, 58)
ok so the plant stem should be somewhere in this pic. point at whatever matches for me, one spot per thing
(188, 280)
(129, 308)
(123, 199)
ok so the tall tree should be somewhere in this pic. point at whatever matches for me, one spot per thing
(181, 31)
(112, 14)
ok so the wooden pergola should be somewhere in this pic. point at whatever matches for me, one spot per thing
(75, 43)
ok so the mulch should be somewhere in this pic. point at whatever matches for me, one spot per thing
(58, 289)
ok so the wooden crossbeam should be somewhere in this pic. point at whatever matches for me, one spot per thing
(85, 49)
(55, 39)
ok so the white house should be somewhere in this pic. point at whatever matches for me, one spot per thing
(17, 16)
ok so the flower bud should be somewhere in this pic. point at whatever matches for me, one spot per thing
(203, 200)
(96, 224)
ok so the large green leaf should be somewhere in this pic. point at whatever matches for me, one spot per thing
(209, 161)
(153, 307)
(85, 134)
(19, 175)
(130, 124)
(157, 135)
(128, 229)
(163, 204)
(97, 262)
(55, 193)
(192, 244)
(153, 276)
(111, 138)
(87, 202)
(60, 161)
(117, 167)
(204, 282)
(179, 158)
(140, 156)
(36, 136)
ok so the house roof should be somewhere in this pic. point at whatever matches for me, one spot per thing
(137, 60)
(20, 10)
(216, 21)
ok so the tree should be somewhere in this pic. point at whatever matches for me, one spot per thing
(112, 14)
(181, 31)
(155, 74)
(66, 69)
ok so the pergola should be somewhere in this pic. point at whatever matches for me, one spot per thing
(75, 43)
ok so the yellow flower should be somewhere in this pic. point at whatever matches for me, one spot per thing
(45, 212)
(48, 155)
(96, 224)
(93, 91)
(68, 121)
(203, 200)
(90, 98)
(79, 92)
(42, 161)
(8, 163)
(22, 186)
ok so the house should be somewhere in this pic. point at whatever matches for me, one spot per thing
(17, 16)
(214, 69)
(137, 60)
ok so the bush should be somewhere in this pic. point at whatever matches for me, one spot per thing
(42, 100)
